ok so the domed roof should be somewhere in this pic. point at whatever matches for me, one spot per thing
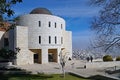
(40, 11)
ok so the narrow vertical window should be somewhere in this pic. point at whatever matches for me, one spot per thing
(55, 39)
(49, 24)
(39, 39)
(61, 26)
(39, 23)
(61, 40)
(49, 39)
(55, 25)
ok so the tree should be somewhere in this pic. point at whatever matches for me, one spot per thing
(107, 24)
(63, 59)
(5, 7)
(7, 54)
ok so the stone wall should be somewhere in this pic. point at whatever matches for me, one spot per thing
(21, 42)
(102, 64)
(42, 29)
(11, 39)
(67, 42)
(1, 39)
(34, 30)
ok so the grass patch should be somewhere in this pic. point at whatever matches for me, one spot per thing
(39, 77)
(19, 74)
(49, 77)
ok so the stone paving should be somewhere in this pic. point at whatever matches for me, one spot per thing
(74, 66)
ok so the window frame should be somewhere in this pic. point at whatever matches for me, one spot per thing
(49, 24)
(39, 39)
(61, 26)
(55, 25)
(55, 39)
(49, 39)
(39, 23)
(61, 40)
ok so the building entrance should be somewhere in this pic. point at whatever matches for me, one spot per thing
(37, 55)
(35, 58)
(52, 55)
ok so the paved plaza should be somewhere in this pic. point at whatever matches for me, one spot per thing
(74, 66)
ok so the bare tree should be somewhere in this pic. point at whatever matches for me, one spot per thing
(107, 24)
(63, 59)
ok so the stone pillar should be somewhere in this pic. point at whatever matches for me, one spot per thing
(31, 57)
(58, 52)
(39, 58)
(44, 55)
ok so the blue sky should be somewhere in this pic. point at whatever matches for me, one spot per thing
(77, 13)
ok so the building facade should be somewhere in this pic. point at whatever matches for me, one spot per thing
(39, 36)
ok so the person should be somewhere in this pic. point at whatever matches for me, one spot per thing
(88, 59)
(91, 58)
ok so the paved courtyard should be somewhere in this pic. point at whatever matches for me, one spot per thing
(74, 66)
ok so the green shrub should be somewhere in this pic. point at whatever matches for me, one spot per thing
(107, 58)
(118, 58)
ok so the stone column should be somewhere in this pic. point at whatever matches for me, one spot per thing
(39, 58)
(44, 55)
(58, 52)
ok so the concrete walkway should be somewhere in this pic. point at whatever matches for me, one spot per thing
(76, 67)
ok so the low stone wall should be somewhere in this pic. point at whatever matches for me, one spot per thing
(102, 64)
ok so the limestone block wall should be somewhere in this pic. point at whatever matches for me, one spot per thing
(6, 34)
(44, 25)
(44, 30)
(21, 41)
(11, 39)
(68, 42)
(1, 39)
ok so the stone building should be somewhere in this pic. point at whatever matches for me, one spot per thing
(39, 36)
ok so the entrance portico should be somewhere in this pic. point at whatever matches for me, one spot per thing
(44, 55)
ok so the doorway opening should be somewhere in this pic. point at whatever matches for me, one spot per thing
(52, 55)
(37, 55)
(35, 58)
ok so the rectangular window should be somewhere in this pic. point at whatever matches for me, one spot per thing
(49, 24)
(49, 39)
(39, 39)
(55, 25)
(61, 40)
(6, 42)
(39, 23)
(55, 39)
(61, 26)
